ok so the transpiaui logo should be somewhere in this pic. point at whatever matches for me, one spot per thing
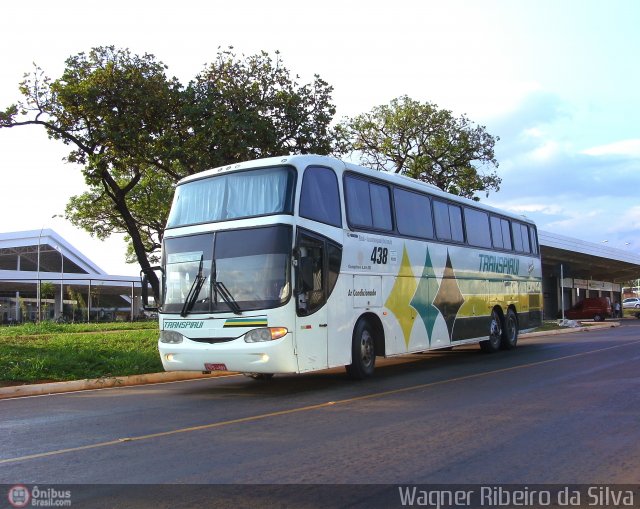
(185, 324)
(499, 264)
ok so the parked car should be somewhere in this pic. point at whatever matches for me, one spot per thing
(596, 308)
(630, 303)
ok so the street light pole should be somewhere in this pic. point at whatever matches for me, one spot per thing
(38, 296)
(59, 249)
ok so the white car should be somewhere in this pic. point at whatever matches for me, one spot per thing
(630, 303)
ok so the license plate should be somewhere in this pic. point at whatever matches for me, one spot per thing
(215, 367)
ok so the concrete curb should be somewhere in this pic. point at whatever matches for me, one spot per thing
(17, 391)
(567, 330)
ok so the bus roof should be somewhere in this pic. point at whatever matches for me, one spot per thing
(303, 160)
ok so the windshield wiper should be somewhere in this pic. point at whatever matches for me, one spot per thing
(220, 287)
(194, 291)
(227, 297)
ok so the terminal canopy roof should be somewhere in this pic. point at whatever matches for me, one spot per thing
(29, 256)
(586, 260)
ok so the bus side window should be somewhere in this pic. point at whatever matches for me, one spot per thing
(455, 216)
(448, 221)
(526, 246)
(413, 214)
(517, 237)
(497, 232)
(368, 204)
(441, 214)
(506, 234)
(320, 198)
(534, 240)
(358, 202)
(477, 227)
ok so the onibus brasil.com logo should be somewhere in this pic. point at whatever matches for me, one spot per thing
(21, 496)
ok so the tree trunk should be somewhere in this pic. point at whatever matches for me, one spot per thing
(118, 195)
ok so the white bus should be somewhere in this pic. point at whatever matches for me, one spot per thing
(302, 263)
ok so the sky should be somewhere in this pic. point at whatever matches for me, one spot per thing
(556, 80)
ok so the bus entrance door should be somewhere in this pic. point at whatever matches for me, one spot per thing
(311, 330)
(311, 341)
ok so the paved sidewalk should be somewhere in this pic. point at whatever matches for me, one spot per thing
(174, 376)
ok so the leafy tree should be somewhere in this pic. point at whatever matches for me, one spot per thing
(136, 132)
(239, 109)
(47, 290)
(112, 108)
(77, 303)
(426, 143)
(148, 203)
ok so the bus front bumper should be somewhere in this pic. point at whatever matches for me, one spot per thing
(276, 356)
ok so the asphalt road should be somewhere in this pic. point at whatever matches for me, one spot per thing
(558, 409)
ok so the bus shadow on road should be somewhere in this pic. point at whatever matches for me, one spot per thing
(389, 374)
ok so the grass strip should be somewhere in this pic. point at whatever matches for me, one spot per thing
(35, 329)
(62, 357)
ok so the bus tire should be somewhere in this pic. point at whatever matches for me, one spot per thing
(363, 352)
(259, 376)
(510, 331)
(495, 334)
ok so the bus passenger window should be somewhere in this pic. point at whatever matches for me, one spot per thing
(381, 212)
(525, 239)
(534, 240)
(368, 204)
(441, 215)
(448, 221)
(496, 232)
(358, 202)
(320, 198)
(413, 214)
(455, 216)
(506, 234)
(521, 238)
(477, 223)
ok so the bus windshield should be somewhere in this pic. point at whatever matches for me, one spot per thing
(235, 270)
(234, 195)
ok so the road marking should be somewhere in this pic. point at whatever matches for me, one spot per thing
(307, 408)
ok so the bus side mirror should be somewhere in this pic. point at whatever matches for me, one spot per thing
(145, 289)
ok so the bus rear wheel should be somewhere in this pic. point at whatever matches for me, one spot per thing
(495, 334)
(510, 332)
(363, 352)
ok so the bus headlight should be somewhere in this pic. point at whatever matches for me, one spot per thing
(267, 334)
(170, 336)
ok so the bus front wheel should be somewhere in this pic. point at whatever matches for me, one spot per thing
(363, 354)
(259, 376)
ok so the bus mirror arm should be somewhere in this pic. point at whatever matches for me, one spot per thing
(306, 274)
(144, 289)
